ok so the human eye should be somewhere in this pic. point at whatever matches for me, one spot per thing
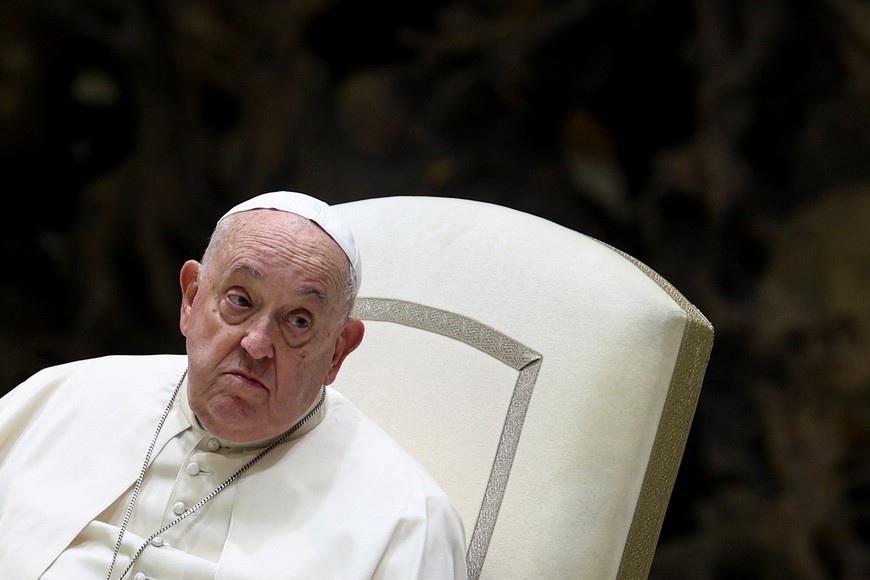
(238, 300)
(235, 306)
(297, 321)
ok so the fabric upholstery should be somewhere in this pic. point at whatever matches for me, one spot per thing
(545, 379)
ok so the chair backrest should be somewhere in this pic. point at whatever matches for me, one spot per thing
(546, 380)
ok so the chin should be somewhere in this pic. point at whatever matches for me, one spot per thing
(233, 420)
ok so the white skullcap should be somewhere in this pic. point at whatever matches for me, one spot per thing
(310, 208)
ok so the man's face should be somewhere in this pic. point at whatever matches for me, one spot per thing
(266, 327)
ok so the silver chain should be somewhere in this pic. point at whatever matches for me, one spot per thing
(204, 500)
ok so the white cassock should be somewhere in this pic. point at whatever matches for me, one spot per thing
(338, 500)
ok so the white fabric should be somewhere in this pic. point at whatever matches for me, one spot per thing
(310, 208)
(341, 501)
(189, 467)
(609, 336)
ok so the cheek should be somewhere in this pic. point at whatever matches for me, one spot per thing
(306, 370)
(202, 323)
(208, 343)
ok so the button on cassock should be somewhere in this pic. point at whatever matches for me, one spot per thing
(213, 444)
(179, 508)
(193, 468)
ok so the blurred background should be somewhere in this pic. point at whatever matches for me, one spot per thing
(722, 142)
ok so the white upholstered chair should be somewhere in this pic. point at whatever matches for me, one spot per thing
(545, 379)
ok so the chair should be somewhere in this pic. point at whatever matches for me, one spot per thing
(546, 380)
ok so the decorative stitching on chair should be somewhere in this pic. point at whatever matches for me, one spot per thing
(503, 348)
(670, 441)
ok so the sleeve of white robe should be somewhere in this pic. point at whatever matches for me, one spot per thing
(430, 550)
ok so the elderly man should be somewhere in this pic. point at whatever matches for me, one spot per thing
(236, 460)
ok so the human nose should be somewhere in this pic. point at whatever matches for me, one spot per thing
(257, 341)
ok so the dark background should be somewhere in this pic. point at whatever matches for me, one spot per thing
(724, 143)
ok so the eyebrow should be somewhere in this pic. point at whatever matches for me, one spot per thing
(243, 269)
(320, 296)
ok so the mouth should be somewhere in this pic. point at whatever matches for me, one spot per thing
(246, 379)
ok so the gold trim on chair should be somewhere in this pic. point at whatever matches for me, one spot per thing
(504, 349)
(670, 442)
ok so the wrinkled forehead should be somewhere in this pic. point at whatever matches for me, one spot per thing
(277, 230)
(273, 247)
(270, 236)
(311, 209)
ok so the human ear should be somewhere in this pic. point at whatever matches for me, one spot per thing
(350, 338)
(189, 279)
